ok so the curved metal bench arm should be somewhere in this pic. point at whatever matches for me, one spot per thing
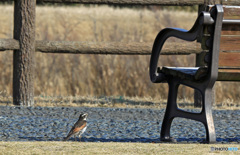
(163, 35)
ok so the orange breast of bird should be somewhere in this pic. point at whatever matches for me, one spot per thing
(77, 129)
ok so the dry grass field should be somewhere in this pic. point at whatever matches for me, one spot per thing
(110, 148)
(101, 75)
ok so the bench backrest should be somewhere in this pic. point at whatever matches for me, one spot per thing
(229, 54)
(230, 38)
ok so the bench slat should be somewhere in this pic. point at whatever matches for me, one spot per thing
(228, 75)
(230, 29)
(230, 43)
(227, 59)
(231, 12)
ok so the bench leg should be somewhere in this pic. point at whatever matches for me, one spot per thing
(170, 110)
(208, 121)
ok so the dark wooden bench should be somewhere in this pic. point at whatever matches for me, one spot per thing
(218, 31)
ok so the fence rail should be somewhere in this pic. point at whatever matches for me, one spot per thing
(148, 2)
(117, 48)
(143, 2)
(131, 2)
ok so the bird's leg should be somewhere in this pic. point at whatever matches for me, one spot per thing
(75, 138)
(79, 138)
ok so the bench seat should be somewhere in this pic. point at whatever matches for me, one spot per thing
(189, 73)
(199, 73)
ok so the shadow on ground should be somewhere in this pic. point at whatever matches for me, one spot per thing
(139, 140)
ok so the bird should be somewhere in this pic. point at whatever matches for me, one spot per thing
(78, 128)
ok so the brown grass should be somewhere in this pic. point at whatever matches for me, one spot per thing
(101, 75)
(110, 148)
(113, 102)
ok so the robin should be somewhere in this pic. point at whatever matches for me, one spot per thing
(79, 127)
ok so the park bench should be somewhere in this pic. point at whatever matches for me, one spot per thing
(218, 31)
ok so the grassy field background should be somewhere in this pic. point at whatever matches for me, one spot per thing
(110, 148)
(59, 75)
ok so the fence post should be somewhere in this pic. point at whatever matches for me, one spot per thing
(23, 59)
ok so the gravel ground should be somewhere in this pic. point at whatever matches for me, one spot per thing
(110, 125)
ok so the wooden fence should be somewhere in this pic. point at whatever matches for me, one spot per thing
(24, 45)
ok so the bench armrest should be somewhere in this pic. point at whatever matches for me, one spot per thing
(163, 35)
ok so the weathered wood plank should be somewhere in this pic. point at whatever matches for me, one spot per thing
(114, 48)
(227, 59)
(93, 47)
(23, 58)
(228, 75)
(231, 12)
(145, 2)
(148, 2)
(224, 2)
(119, 48)
(230, 43)
(231, 29)
(131, 2)
(9, 44)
